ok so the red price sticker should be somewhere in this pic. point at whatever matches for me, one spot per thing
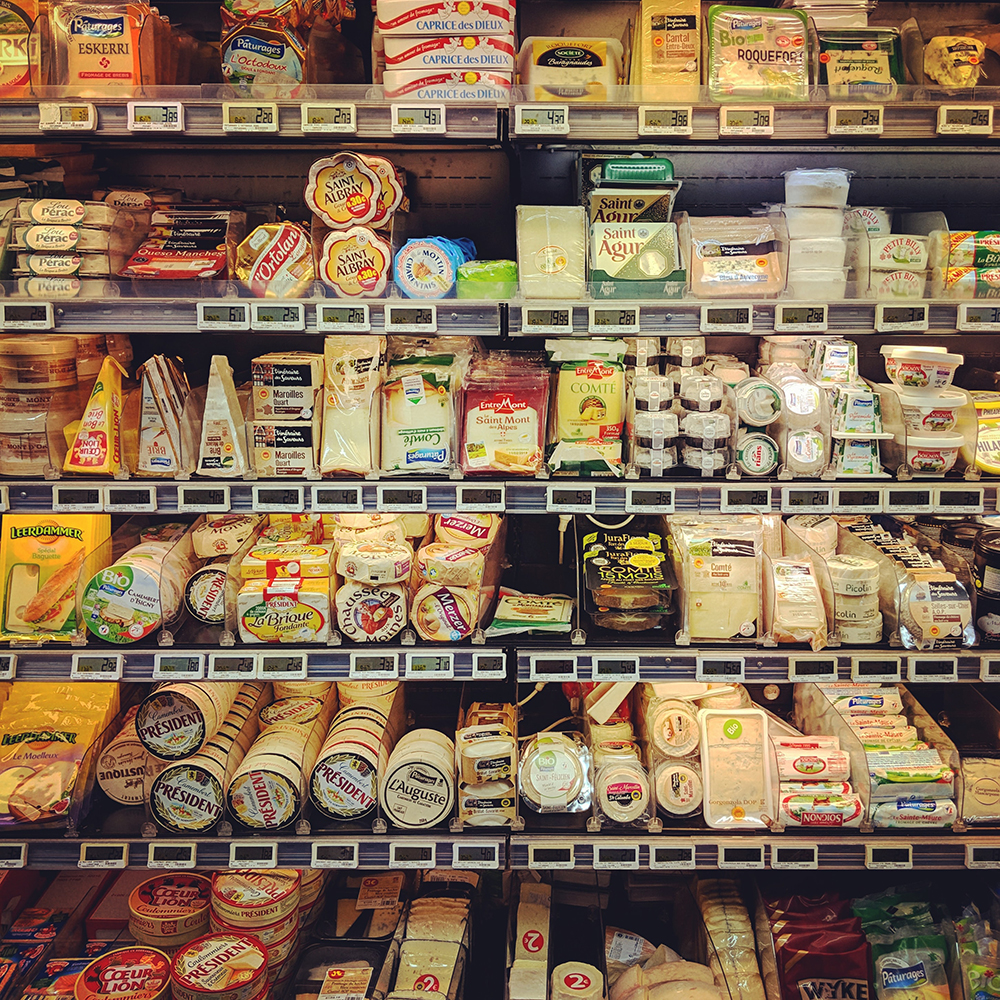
(533, 941)
(577, 981)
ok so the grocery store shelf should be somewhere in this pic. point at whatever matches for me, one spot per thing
(790, 850)
(557, 495)
(341, 114)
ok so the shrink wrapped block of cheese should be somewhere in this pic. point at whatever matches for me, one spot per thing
(667, 46)
(418, 418)
(795, 609)
(223, 450)
(734, 756)
(351, 380)
(733, 257)
(552, 251)
(450, 564)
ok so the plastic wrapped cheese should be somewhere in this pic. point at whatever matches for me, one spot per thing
(453, 565)
(738, 793)
(797, 611)
(954, 60)
(735, 257)
(818, 531)
(374, 562)
(444, 614)
(552, 251)
(561, 68)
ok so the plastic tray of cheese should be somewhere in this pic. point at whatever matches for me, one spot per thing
(361, 967)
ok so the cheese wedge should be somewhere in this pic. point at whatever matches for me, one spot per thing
(223, 450)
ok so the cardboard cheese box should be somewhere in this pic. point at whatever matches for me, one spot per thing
(286, 385)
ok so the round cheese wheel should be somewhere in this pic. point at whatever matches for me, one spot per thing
(298, 711)
(220, 967)
(343, 190)
(121, 768)
(444, 614)
(370, 614)
(205, 593)
(679, 789)
(818, 531)
(451, 564)
(310, 689)
(623, 791)
(673, 727)
(374, 562)
(853, 576)
(344, 782)
(552, 772)
(176, 720)
(860, 633)
(417, 794)
(856, 609)
(138, 972)
(474, 530)
(189, 797)
(255, 898)
(222, 537)
(171, 904)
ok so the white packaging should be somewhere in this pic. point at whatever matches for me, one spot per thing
(447, 84)
(825, 187)
(560, 68)
(817, 252)
(495, 53)
(444, 17)
(734, 756)
(818, 284)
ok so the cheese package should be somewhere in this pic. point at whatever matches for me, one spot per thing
(636, 260)
(370, 614)
(286, 449)
(262, 49)
(909, 774)
(223, 450)
(442, 17)
(444, 614)
(222, 537)
(449, 52)
(796, 612)
(860, 62)
(374, 562)
(477, 531)
(734, 756)
(97, 446)
(914, 814)
(447, 84)
(164, 391)
(734, 257)
(286, 384)
(16, 21)
(809, 760)
(285, 610)
(558, 68)
(41, 558)
(821, 810)
(418, 418)
(342, 190)
(964, 248)
(273, 560)
(450, 564)
(589, 390)
(757, 54)
(552, 251)
(45, 732)
(276, 261)
(351, 406)
(355, 262)
(667, 41)
(97, 47)
(187, 244)
(954, 60)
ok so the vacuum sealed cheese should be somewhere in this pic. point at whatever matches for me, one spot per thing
(418, 419)
(589, 397)
(796, 612)
(558, 68)
(351, 425)
(223, 450)
(735, 257)
(97, 46)
(552, 251)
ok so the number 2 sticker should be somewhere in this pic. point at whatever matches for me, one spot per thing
(428, 983)
(577, 981)
(533, 941)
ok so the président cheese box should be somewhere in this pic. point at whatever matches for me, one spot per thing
(447, 85)
(445, 17)
(494, 52)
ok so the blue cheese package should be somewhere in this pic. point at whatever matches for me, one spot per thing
(428, 268)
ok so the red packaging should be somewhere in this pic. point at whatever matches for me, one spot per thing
(818, 965)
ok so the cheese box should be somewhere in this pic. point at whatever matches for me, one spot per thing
(220, 967)
(447, 85)
(636, 260)
(252, 899)
(284, 560)
(444, 17)
(110, 917)
(61, 909)
(285, 385)
(450, 52)
(138, 972)
(286, 448)
(285, 610)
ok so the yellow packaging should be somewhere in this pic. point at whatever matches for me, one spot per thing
(16, 20)
(988, 442)
(590, 400)
(97, 46)
(285, 610)
(45, 732)
(41, 556)
(667, 51)
(282, 560)
(97, 446)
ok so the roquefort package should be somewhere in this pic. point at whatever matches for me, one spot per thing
(45, 732)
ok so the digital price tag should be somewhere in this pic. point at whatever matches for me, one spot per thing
(796, 500)
(989, 669)
(746, 121)
(877, 669)
(958, 500)
(430, 666)
(812, 668)
(976, 318)
(401, 499)
(720, 669)
(8, 666)
(223, 316)
(657, 120)
(77, 499)
(489, 666)
(178, 666)
(97, 667)
(551, 856)
(571, 499)
(240, 117)
(404, 854)
(329, 117)
(103, 855)
(283, 499)
(550, 667)
(171, 855)
(232, 666)
(727, 319)
(13, 855)
(794, 856)
(896, 857)
(616, 857)
(411, 319)
(857, 500)
(907, 500)
(614, 668)
(469, 857)
(80, 116)
(672, 855)
(897, 319)
(326, 855)
(855, 119)
(336, 499)
(750, 856)
(558, 320)
(481, 499)
(282, 666)
(354, 318)
(129, 499)
(417, 119)
(374, 667)
(797, 317)
(541, 119)
(746, 500)
(932, 669)
(203, 500)
(253, 854)
(982, 855)
(965, 119)
(158, 116)
(276, 317)
(605, 320)
(26, 316)
(649, 500)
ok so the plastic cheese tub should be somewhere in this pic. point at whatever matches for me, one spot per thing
(806, 222)
(557, 69)
(825, 187)
(924, 413)
(817, 252)
(920, 367)
(820, 284)
(932, 454)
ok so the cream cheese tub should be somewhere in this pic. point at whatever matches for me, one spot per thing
(920, 367)
(924, 413)
(818, 187)
(932, 454)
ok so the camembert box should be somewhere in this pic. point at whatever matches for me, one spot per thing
(219, 967)
(444, 17)
(255, 898)
(447, 84)
(494, 52)
(287, 560)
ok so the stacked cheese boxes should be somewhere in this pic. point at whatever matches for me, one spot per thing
(170, 910)
(911, 770)
(417, 790)
(486, 748)
(815, 788)
(434, 947)
(442, 51)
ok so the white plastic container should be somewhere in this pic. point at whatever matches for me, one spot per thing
(811, 223)
(822, 186)
(817, 252)
(899, 284)
(920, 367)
(875, 220)
(932, 454)
(819, 284)
(924, 413)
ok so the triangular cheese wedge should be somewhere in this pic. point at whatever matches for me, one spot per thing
(223, 449)
(97, 446)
